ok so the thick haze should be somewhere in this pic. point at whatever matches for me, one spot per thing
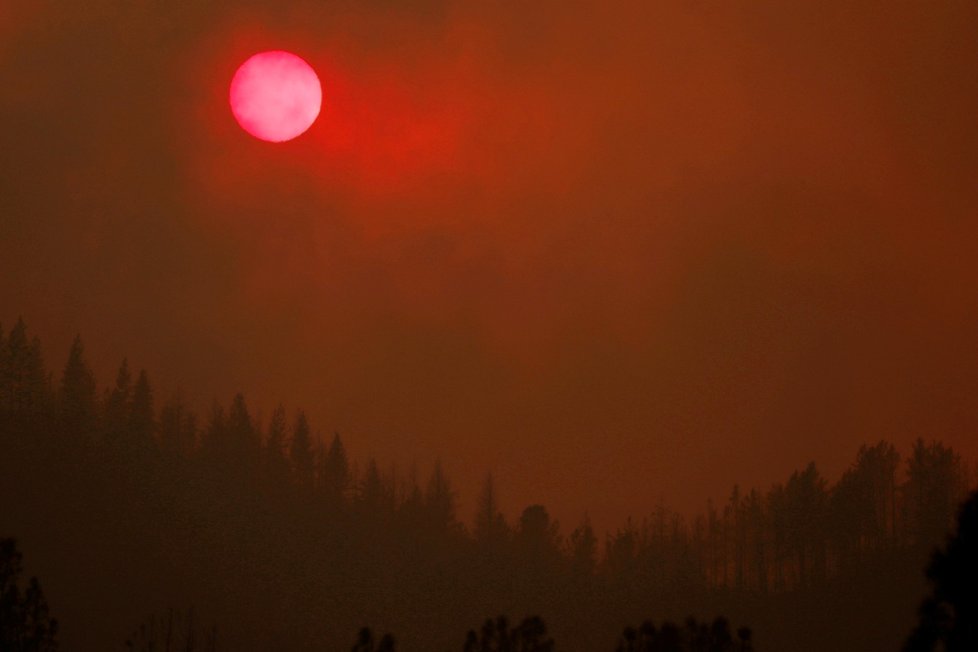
(615, 254)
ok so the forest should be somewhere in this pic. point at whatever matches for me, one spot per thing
(131, 508)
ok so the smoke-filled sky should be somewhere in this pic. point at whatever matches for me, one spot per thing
(617, 253)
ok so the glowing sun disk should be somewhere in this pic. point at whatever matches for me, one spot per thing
(275, 96)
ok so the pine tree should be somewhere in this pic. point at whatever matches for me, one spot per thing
(77, 394)
(490, 528)
(439, 501)
(38, 383)
(276, 464)
(621, 551)
(117, 407)
(370, 493)
(17, 363)
(213, 444)
(583, 548)
(300, 450)
(24, 387)
(177, 428)
(933, 487)
(365, 642)
(537, 535)
(757, 537)
(243, 453)
(142, 419)
(805, 508)
(336, 471)
(4, 372)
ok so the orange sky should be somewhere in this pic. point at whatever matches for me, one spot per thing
(617, 254)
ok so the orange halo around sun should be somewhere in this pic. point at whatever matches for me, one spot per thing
(275, 96)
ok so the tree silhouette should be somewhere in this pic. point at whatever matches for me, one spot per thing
(178, 428)
(439, 501)
(335, 471)
(4, 371)
(77, 394)
(496, 636)
(758, 546)
(300, 450)
(583, 548)
(693, 637)
(142, 418)
(932, 488)
(537, 535)
(176, 632)
(531, 636)
(805, 508)
(365, 642)
(370, 493)
(949, 616)
(117, 408)
(25, 624)
(244, 442)
(647, 638)
(745, 638)
(275, 462)
(24, 386)
(214, 445)
(621, 552)
(490, 530)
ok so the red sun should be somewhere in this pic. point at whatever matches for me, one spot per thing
(275, 96)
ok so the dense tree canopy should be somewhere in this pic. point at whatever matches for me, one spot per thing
(267, 523)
